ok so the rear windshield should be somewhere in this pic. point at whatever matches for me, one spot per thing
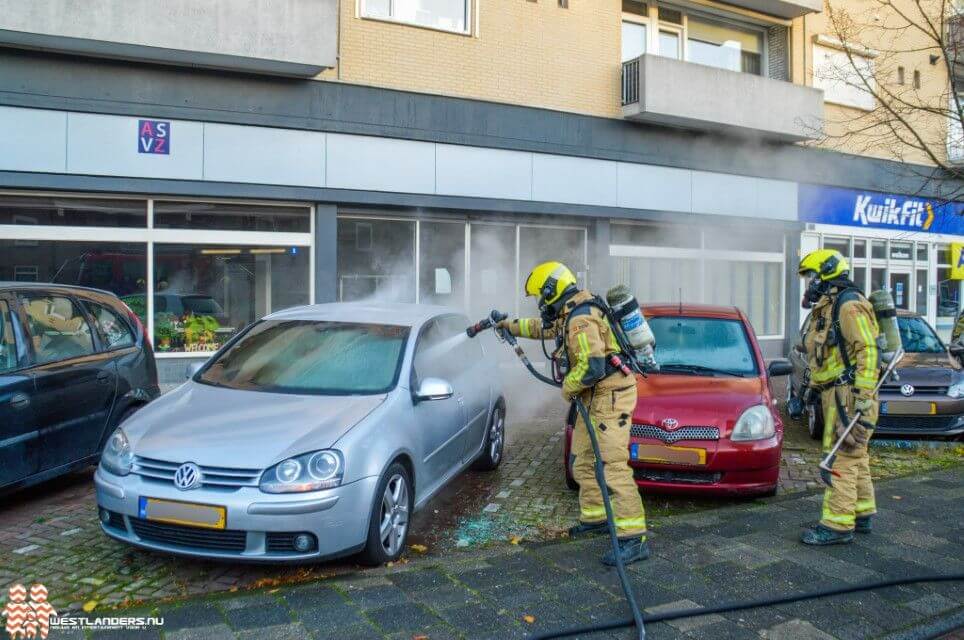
(918, 337)
(311, 357)
(703, 343)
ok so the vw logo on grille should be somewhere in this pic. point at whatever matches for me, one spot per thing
(187, 476)
(670, 424)
(907, 390)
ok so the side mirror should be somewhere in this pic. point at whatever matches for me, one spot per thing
(192, 369)
(779, 368)
(433, 389)
(956, 349)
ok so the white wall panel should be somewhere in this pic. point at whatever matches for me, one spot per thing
(108, 145)
(264, 156)
(650, 187)
(575, 180)
(33, 140)
(483, 173)
(380, 164)
(776, 199)
(724, 194)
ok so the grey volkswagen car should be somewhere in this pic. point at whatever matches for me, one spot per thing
(314, 433)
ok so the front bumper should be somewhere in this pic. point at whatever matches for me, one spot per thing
(920, 416)
(257, 524)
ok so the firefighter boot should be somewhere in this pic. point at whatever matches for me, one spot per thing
(630, 550)
(864, 524)
(820, 535)
(584, 529)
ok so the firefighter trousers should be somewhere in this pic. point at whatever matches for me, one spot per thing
(852, 493)
(610, 410)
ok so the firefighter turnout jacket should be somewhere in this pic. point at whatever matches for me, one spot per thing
(857, 333)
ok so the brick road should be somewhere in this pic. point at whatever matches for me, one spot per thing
(741, 552)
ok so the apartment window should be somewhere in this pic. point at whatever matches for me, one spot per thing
(725, 46)
(447, 15)
(917, 82)
(633, 39)
(900, 75)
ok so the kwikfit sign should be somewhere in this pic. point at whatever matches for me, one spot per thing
(832, 205)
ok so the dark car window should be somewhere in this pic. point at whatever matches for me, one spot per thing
(117, 333)
(8, 341)
(201, 305)
(917, 336)
(58, 328)
(713, 343)
(312, 358)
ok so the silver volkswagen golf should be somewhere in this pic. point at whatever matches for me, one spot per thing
(314, 433)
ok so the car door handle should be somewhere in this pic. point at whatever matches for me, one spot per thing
(103, 377)
(19, 400)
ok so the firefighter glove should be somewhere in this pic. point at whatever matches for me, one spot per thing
(858, 437)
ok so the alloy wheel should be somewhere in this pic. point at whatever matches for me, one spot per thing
(394, 515)
(497, 436)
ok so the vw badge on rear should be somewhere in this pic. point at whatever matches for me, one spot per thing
(187, 476)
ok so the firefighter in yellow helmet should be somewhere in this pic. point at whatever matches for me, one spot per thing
(585, 341)
(841, 348)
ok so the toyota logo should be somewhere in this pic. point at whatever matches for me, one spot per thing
(187, 476)
(907, 390)
(670, 423)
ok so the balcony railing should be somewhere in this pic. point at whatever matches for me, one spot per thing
(631, 81)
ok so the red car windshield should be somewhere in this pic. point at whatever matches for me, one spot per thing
(703, 346)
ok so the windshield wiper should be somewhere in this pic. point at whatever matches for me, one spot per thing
(697, 369)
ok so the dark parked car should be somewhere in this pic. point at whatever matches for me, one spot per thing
(926, 399)
(74, 364)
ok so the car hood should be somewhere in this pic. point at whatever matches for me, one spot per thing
(927, 369)
(696, 400)
(220, 427)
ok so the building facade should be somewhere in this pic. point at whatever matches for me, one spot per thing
(431, 152)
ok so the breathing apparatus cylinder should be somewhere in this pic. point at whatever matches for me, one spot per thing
(633, 324)
(889, 341)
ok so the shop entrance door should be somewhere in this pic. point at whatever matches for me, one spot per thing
(899, 281)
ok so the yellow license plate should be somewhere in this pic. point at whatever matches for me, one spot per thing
(189, 514)
(665, 454)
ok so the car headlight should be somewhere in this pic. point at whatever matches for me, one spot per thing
(956, 390)
(118, 456)
(756, 423)
(307, 472)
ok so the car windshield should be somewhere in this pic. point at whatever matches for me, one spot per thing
(311, 357)
(201, 305)
(917, 336)
(702, 346)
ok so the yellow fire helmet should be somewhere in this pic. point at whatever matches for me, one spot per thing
(827, 263)
(548, 281)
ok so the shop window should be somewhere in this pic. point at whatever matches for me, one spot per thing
(231, 217)
(743, 239)
(442, 263)
(878, 279)
(654, 236)
(754, 287)
(493, 279)
(659, 279)
(384, 268)
(120, 268)
(540, 244)
(921, 252)
(901, 251)
(859, 276)
(943, 254)
(8, 341)
(448, 15)
(58, 328)
(878, 250)
(948, 294)
(922, 291)
(860, 248)
(72, 212)
(840, 244)
(208, 293)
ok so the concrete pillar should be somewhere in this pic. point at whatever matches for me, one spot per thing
(600, 264)
(326, 253)
(794, 312)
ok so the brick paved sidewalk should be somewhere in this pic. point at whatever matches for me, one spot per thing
(742, 552)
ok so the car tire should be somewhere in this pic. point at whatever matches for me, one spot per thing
(390, 518)
(815, 421)
(494, 450)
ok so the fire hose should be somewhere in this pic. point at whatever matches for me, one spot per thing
(638, 619)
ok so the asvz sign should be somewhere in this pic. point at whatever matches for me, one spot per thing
(154, 136)
(832, 205)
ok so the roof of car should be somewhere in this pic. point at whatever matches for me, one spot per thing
(394, 313)
(690, 309)
(7, 284)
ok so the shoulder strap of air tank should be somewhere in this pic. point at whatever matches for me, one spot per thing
(847, 295)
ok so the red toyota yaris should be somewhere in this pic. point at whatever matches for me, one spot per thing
(706, 422)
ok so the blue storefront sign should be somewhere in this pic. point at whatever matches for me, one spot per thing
(873, 210)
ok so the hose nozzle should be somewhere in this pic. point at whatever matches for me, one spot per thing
(493, 319)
